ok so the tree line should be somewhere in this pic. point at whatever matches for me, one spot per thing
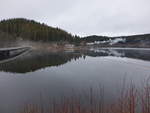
(35, 31)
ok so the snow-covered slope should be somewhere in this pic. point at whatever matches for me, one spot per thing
(110, 41)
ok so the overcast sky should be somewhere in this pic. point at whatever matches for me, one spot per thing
(84, 17)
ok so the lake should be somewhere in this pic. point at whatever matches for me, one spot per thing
(47, 75)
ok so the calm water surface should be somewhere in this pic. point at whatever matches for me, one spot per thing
(52, 75)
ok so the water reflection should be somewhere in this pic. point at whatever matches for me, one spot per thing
(82, 70)
(141, 54)
(36, 60)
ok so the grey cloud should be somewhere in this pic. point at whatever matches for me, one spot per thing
(84, 17)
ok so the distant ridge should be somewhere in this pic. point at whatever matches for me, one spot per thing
(25, 29)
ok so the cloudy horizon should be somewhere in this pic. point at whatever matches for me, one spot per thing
(84, 17)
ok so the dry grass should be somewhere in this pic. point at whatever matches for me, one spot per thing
(131, 100)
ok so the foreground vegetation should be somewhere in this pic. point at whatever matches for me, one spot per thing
(131, 100)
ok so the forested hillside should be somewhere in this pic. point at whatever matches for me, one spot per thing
(142, 40)
(31, 30)
(131, 38)
(24, 29)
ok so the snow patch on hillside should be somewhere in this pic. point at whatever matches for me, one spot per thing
(110, 41)
(117, 40)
